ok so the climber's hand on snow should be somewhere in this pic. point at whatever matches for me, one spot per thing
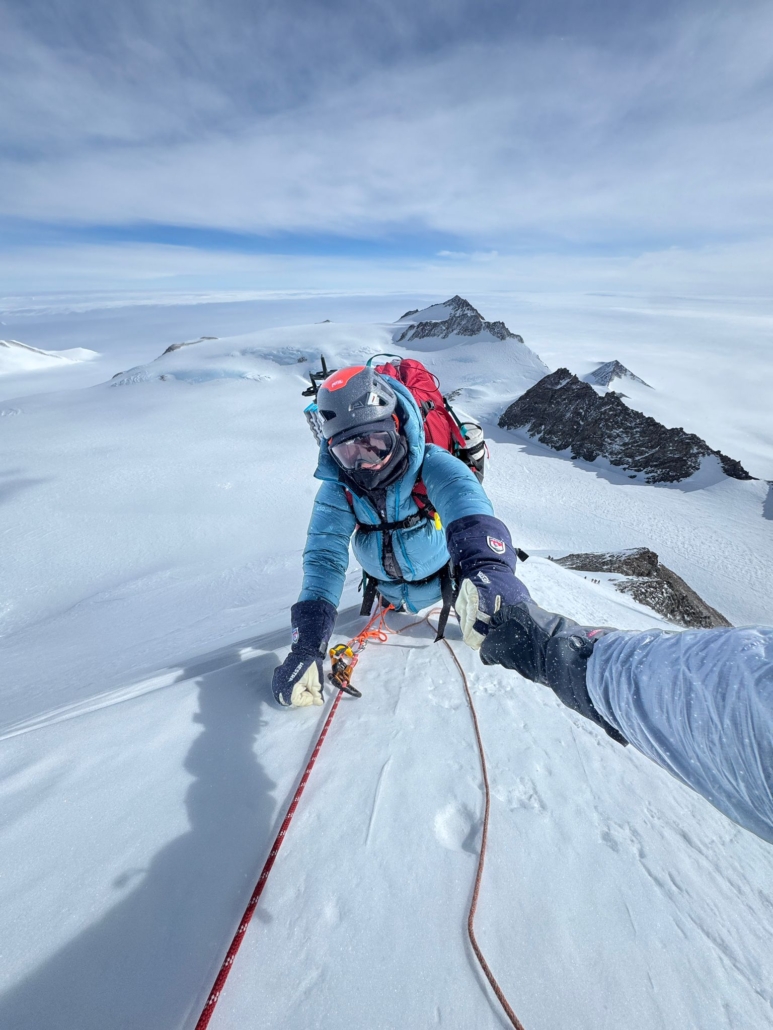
(297, 681)
(484, 558)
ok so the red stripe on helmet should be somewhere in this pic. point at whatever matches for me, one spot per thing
(341, 378)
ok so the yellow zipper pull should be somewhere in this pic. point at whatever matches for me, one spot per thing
(438, 523)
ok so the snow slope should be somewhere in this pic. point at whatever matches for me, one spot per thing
(156, 525)
(18, 357)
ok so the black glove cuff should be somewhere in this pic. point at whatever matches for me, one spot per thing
(475, 541)
(312, 623)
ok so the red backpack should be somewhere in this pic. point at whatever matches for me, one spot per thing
(441, 424)
(440, 427)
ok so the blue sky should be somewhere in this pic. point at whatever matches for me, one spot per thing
(186, 143)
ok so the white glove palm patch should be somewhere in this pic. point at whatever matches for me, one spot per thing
(469, 611)
(308, 689)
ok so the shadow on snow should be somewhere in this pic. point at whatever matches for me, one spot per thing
(150, 960)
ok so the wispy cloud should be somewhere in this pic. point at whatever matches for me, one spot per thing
(488, 127)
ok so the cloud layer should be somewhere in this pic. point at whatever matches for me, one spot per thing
(502, 127)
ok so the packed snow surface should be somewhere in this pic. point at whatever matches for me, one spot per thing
(154, 528)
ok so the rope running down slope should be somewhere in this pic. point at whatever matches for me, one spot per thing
(379, 634)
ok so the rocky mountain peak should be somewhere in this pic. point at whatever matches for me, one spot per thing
(609, 370)
(454, 317)
(566, 414)
(650, 582)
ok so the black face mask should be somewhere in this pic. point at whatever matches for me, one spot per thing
(380, 479)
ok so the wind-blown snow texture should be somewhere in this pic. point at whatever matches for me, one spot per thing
(155, 527)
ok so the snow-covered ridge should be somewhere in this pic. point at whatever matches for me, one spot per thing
(21, 357)
(481, 371)
(157, 535)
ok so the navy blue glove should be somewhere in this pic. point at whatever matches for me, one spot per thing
(298, 680)
(484, 562)
(548, 649)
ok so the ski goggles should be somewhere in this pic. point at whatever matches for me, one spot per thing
(371, 450)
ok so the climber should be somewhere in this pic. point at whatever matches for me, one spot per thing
(390, 493)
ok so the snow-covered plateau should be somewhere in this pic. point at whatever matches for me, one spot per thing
(153, 526)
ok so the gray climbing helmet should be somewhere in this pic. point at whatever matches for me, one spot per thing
(352, 401)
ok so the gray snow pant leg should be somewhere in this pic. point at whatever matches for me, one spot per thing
(700, 704)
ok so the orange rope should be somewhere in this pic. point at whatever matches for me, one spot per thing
(482, 857)
(516, 1023)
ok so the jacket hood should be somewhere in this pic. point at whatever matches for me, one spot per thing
(413, 428)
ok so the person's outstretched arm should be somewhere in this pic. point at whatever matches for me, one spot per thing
(699, 702)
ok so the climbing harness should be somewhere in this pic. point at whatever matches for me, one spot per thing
(344, 658)
(445, 576)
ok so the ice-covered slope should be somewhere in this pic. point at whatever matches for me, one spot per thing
(157, 524)
(18, 357)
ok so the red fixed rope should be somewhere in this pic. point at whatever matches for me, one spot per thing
(236, 943)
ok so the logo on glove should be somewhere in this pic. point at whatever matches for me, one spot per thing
(497, 546)
(296, 634)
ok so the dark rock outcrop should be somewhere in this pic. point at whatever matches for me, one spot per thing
(464, 320)
(566, 414)
(186, 343)
(651, 584)
(604, 374)
(767, 504)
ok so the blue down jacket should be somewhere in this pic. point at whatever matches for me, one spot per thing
(421, 550)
